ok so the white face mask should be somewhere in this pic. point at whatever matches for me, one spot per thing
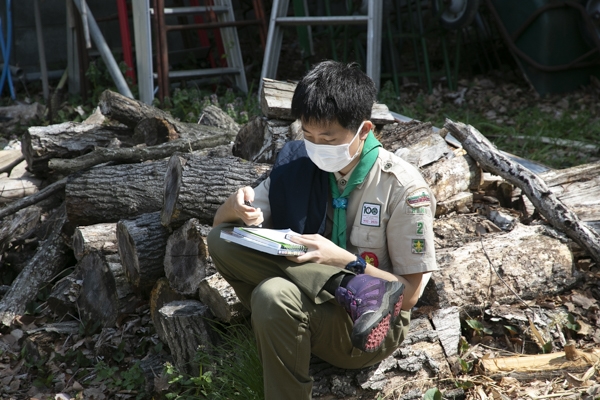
(331, 158)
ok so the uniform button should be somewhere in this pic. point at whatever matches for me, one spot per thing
(343, 182)
(387, 166)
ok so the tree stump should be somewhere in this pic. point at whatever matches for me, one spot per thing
(187, 330)
(141, 242)
(110, 193)
(186, 257)
(195, 187)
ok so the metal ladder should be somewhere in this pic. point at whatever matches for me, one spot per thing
(226, 23)
(279, 19)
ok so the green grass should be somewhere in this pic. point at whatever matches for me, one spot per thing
(534, 132)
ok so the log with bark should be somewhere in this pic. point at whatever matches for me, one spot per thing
(220, 297)
(49, 259)
(276, 103)
(69, 140)
(19, 225)
(9, 159)
(193, 318)
(101, 237)
(211, 137)
(186, 257)
(141, 242)
(195, 187)
(110, 193)
(478, 268)
(161, 294)
(546, 202)
(261, 139)
(131, 112)
(47, 192)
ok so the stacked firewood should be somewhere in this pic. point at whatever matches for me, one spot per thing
(131, 193)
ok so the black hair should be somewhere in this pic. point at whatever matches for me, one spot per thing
(334, 92)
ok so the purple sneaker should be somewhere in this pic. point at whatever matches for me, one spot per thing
(374, 305)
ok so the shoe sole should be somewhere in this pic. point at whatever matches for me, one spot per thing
(370, 329)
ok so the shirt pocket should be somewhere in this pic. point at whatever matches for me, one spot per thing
(367, 237)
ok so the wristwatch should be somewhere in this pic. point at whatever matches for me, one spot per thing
(357, 266)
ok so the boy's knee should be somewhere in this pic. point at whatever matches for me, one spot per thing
(274, 299)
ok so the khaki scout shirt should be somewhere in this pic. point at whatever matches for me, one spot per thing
(389, 216)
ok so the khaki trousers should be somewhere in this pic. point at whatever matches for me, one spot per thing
(292, 316)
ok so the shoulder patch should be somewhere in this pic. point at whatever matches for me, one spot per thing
(419, 198)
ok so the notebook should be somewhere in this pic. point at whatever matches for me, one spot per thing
(271, 241)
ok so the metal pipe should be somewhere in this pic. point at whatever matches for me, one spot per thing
(6, 50)
(105, 53)
(15, 71)
(41, 49)
(84, 21)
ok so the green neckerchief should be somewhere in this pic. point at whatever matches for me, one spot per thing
(340, 201)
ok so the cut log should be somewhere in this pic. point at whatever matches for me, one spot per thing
(161, 294)
(191, 317)
(96, 292)
(526, 263)
(195, 187)
(460, 202)
(99, 301)
(261, 139)
(128, 111)
(142, 242)
(139, 154)
(12, 189)
(49, 259)
(110, 193)
(186, 257)
(9, 159)
(62, 300)
(547, 203)
(43, 194)
(20, 225)
(215, 292)
(577, 187)
(276, 103)
(453, 175)
(414, 141)
(69, 140)
(153, 131)
(101, 237)
(214, 116)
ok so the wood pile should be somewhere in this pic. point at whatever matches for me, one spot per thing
(126, 198)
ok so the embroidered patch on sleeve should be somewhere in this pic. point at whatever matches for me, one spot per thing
(418, 246)
(419, 198)
(370, 258)
(370, 214)
(418, 210)
(420, 228)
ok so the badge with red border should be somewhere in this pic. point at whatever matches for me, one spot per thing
(370, 258)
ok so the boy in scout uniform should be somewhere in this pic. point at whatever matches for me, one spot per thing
(365, 216)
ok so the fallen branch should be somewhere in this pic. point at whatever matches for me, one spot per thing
(533, 186)
(137, 154)
(34, 198)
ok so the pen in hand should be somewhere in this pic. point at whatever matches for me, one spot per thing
(247, 203)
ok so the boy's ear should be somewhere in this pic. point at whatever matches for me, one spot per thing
(367, 127)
